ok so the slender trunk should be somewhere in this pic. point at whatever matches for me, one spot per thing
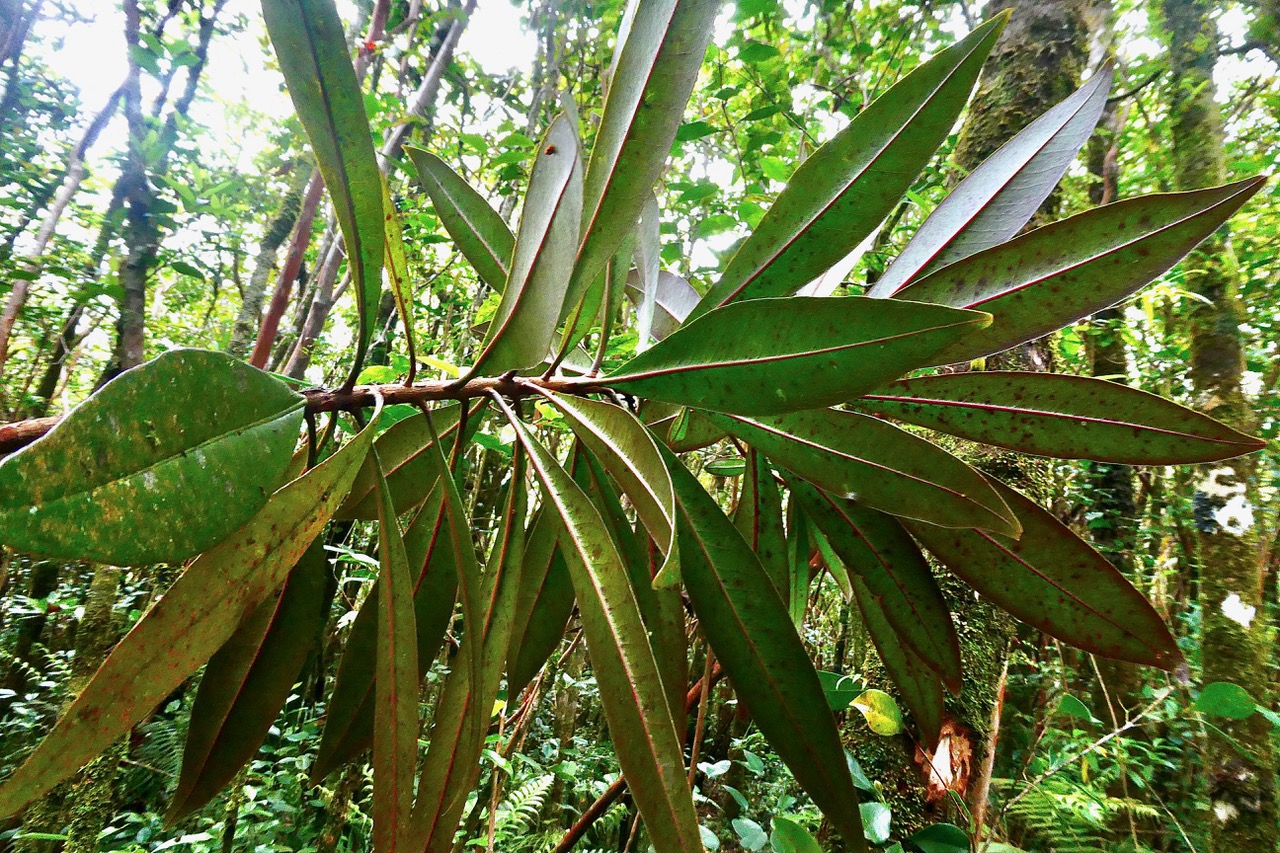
(278, 229)
(142, 237)
(16, 26)
(73, 178)
(84, 804)
(1235, 642)
(289, 273)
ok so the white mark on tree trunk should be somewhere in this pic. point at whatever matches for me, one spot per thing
(1221, 482)
(1225, 812)
(1236, 517)
(1234, 608)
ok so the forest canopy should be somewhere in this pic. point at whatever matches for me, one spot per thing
(772, 425)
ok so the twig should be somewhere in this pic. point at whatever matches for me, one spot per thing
(1132, 723)
(21, 433)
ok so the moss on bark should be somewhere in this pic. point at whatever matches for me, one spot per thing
(1236, 636)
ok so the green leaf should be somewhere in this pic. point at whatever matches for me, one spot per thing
(350, 713)
(476, 228)
(395, 738)
(1068, 417)
(790, 837)
(160, 464)
(1072, 706)
(1004, 192)
(751, 633)
(876, 548)
(941, 838)
(839, 689)
(880, 712)
(248, 681)
(1052, 580)
(1055, 275)
(311, 47)
(521, 331)
(844, 189)
(673, 299)
(877, 818)
(878, 465)
(648, 256)
(631, 456)
(543, 607)
(745, 357)
(195, 617)
(758, 518)
(631, 690)
(660, 50)
(750, 833)
(409, 458)
(1224, 699)
(397, 268)
(457, 739)
(917, 683)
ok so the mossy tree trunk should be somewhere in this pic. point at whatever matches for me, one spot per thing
(1241, 775)
(1037, 62)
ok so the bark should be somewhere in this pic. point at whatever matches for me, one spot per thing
(1038, 61)
(1241, 778)
(289, 273)
(83, 805)
(142, 237)
(72, 179)
(16, 20)
(278, 229)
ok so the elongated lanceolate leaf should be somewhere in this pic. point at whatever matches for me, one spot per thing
(758, 518)
(751, 633)
(130, 475)
(1067, 417)
(654, 68)
(673, 301)
(410, 460)
(476, 228)
(197, 615)
(248, 681)
(350, 714)
(1055, 275)
(1052, 580)
(395, 738)
(396, 267)
(452, 764)
(311, 47)
(543, 607)
(844, 189)
(661, 608)
(875, 548)
(631, 689)
(877, 465)
(1004, 192)
(630, 455)
(746, 357)
(917, 683)
(648, 259)
(522, 329)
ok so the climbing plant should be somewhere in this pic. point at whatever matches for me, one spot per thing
(828, 400)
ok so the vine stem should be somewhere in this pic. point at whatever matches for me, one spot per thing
(19, 434)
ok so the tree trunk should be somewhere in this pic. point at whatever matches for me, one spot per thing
(1235, 645)
(278, 229)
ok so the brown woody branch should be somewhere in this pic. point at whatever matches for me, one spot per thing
(17, 435)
